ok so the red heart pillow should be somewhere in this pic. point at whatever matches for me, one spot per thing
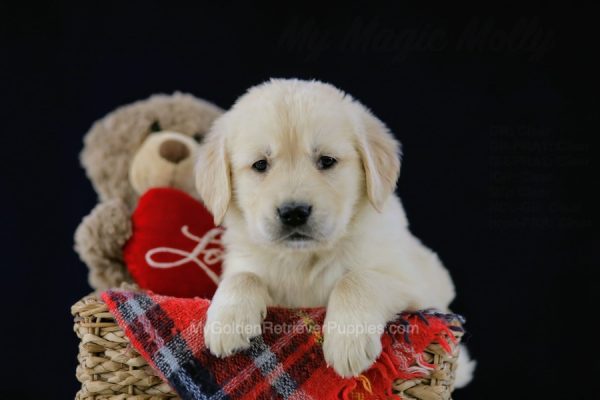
(175, 248)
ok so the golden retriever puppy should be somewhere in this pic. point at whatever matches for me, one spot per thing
(303, 176)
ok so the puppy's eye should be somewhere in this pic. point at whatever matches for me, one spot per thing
(198, 137)
(260, 165)
(155, 127)
(326, 162)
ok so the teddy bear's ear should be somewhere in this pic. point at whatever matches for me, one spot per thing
(108, 149)
(213, 180)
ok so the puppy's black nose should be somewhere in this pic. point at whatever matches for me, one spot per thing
(294, 214)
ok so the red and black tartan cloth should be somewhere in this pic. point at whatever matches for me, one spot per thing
(280, 364)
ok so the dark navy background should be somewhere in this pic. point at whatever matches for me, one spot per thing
(495, 114)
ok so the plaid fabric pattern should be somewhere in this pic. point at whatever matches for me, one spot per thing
(280, 364)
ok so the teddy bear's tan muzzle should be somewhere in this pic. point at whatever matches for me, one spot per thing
(173, 151)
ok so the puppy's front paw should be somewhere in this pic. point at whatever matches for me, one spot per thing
(349, 350)
(230, 327)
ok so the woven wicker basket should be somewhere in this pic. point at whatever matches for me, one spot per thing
(110, 369)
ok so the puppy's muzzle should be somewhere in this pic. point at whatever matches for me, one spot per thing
(294, 214)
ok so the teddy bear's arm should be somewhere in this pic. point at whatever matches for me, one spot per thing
(99, 241)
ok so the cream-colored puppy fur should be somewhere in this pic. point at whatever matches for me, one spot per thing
(354, 255)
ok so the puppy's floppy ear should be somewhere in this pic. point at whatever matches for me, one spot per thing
(380, 153)
(213, 180)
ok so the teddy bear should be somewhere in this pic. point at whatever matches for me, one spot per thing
(129, 153)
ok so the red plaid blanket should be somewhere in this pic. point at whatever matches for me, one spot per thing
(281, 364)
